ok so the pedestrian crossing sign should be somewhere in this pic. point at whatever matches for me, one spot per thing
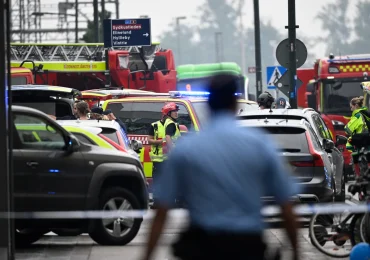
(273, 74)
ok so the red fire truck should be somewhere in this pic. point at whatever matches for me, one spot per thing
(336, 81)
(89, 66)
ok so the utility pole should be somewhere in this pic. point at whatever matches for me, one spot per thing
(76, 21)
(292, 54)
(178, 19)
(96, 20)
(218, 46)
(257, 47)
(242, 43)
(117, 9)
(102, 17)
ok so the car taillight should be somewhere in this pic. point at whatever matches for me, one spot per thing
(317, 159)
(303, 164)
(316, 162)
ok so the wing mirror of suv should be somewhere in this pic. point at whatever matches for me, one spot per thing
(72, 144)
(340, 140)
(136, 145)
(328, 145)
(183, 129)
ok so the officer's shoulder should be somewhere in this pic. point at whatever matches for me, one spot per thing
(358, 115)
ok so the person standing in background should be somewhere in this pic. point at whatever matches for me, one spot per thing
(222, 189)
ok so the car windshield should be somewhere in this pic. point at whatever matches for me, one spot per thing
(338, 95)
(58, 108)
(202, 110)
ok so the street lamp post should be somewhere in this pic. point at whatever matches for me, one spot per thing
(219, 46)
(178, 35)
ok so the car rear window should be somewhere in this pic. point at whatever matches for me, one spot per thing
(83, 138)
(289, 139)
(111, 134)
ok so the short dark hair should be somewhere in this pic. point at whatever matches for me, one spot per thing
(222, 92)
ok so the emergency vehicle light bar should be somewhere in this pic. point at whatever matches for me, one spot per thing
(349, 60)
(174, 94)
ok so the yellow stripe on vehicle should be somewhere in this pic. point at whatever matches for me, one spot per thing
(72, 66)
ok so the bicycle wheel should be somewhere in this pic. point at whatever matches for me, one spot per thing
(360, 229)
(330, 234)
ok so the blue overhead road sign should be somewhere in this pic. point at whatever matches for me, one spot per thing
(273, 74)
(127, 32)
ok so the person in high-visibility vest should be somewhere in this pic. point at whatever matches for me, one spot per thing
(162, 136)
(358, 124)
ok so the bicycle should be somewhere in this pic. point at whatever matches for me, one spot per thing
(346, 233)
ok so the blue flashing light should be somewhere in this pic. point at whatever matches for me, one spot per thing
(192, 94)
(53, 170)
(51, 192)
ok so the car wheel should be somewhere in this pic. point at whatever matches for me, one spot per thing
(116, 231)
(67, 232)
(342, 196)
(26, 237)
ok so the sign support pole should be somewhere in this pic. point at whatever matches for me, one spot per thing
(292, 54)
(257, 44)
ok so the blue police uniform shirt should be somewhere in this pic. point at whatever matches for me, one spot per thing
(221, 173)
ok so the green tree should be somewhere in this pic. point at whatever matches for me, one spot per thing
(336, 25)
(180, 37)
(361, 22)
(89, 36)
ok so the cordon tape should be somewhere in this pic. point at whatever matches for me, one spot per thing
(300, 210)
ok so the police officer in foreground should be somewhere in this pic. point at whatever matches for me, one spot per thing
(265, 100)
(162, 136)
(222, 189)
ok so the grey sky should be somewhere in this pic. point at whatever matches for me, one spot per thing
(274, 10)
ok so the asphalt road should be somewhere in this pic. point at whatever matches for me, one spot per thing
(52, 247)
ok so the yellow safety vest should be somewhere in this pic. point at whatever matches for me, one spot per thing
(356, 125)
(156, 151)
(177, 133)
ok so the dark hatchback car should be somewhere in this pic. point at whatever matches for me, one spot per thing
(301, 150)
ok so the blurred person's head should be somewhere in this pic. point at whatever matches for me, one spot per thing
(82, 110)
(222, 93)
(109, 114)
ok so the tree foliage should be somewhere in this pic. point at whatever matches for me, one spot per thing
(345, 35)
(89, 36)
(198, 43)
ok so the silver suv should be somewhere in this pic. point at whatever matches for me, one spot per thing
(319, 131)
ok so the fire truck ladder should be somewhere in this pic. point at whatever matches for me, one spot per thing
(70, 52)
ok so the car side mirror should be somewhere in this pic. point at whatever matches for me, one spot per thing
(328, 145)
(136, 145)
(72, 144)
(340, 140)
(183, 129)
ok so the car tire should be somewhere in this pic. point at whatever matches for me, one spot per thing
(26, 237)
(342, 196)
(105, 232)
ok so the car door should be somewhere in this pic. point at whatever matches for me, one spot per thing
(26, 186)
(336, 156)
(338, 159)
(62, 177)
